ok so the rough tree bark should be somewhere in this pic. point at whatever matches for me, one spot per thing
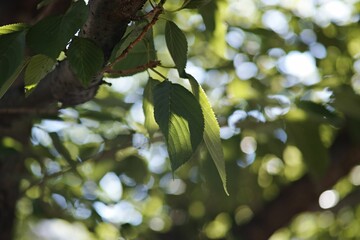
(106, 24)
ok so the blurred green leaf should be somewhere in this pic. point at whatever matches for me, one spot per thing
(177, 45)
(208, 13)
(180, 119)
(347, 101)
(320, 112)
(61, 149)
(134, 167)
(148, 107)
(306, 136)
(86, 59)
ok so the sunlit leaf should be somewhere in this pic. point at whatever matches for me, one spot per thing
(212, 130)
(86, 59)
(180, 119)
(148, 107)
(177, 45)
(16, 27)
(39, 66)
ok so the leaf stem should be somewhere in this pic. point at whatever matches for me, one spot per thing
(158, 73)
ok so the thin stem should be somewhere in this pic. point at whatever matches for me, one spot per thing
(158, 73)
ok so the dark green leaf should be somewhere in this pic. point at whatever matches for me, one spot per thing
(131, 34)
(142, 53)
(320, 112)
(177, 45)
(208, 13)
(12, 47)
(16, 27)
(88, 151)
(7, 84)
(212, 130)
(86, 59)
(347, 101)
(51, 35)
(60, 148)
(134, 167)
(306, 137)
(180, 119)
(43, 37)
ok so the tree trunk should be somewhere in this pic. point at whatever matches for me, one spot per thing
(11, 172)
(107, 22)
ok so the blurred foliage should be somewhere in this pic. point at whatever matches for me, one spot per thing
(283, 77)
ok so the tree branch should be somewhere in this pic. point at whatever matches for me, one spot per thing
(303, 194)
(106, 24)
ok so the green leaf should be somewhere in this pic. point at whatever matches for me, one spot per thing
(194, 3)
(63, 151)
(347, 101)
(320, 112)
(177, 45)
(134, 167)
(148, 107)
(208, 13)
(131, 34)
(305, 136)
(212, 130)
(88, 151)
(16, 27)
(51, 35)
(142, 53)
(39, 66)
(7, 84)
(86, 59)
(180, 119)
(12, 48)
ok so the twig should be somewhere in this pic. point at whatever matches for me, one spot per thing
(156, 12)
(158, 73)
(137, 69)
